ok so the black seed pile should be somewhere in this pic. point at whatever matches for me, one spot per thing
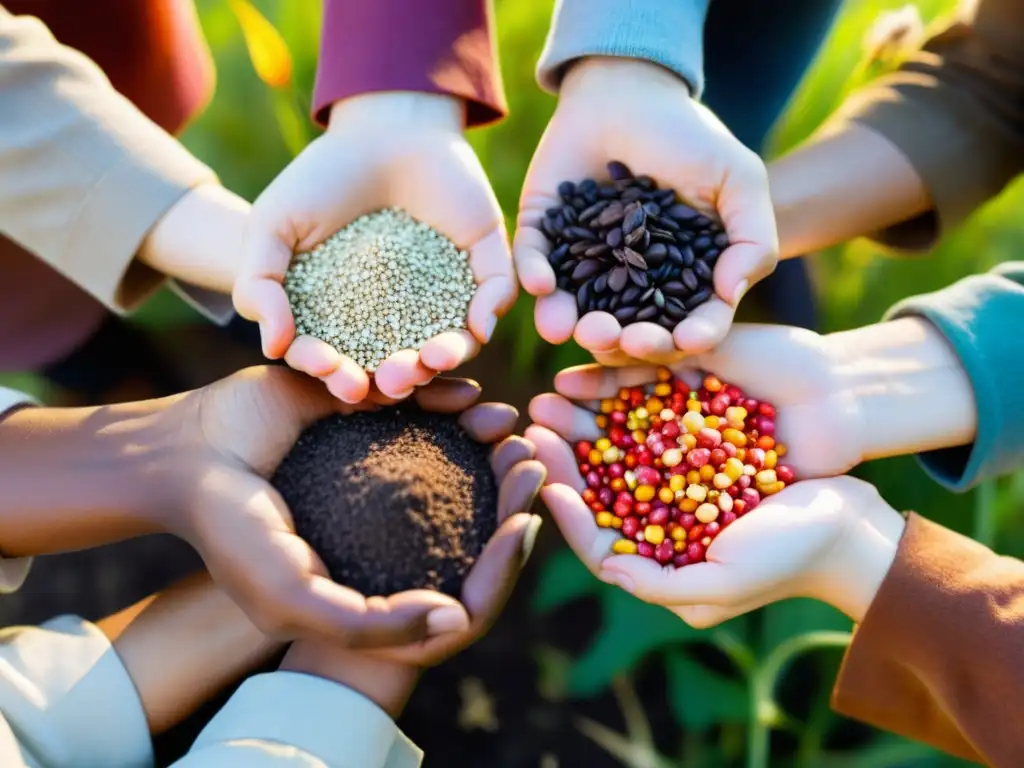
(626, 247)
(391, 500)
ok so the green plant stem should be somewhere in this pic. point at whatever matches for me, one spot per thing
(765, 713)
(985, 513)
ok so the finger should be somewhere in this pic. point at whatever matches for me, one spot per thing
(705, 327)
(650, 343)
(563, 417)
(555, 317)
(349, 383)
(598, 331)
(447, 395)
(519, 489)
(264, 301)
(557, 456)
(615, 359)
(576, 522)
(705, 616)
(331, 610)
(530, 250)
(595, 382)
(401, 373)
(489, 422)
(490, 301)
(312, 356)
(448, 350)
(508, 453)
(708, 582)
(745, 207)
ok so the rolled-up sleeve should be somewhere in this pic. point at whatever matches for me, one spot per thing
(445, 47)
(85, 174)
(290, 719)
(978, 315)
(955, 110)
(665, 32)
(68, 699)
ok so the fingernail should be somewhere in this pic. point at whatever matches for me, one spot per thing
(530, 536)
(489, 328)
(441, 621)
(618, 579)
(740, 292)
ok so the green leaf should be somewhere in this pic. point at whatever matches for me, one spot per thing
(701, 698)
(631, 630)
(290, 121)
(781, 621)
(563, 578)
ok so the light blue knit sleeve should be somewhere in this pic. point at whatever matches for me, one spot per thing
(980, 316)
(666, 32)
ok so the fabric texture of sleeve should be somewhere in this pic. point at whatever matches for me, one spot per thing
(974, 315)
(86, 174)
(955, 110)
(937, 657)
(68, 699)
(445, 47)
(666, 32)
(291, 719)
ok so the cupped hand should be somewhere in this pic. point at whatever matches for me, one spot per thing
(796, 370)
(830, 539)
(404, 150)
(645, 117)
(233, 435)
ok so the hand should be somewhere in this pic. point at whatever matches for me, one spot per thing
(199, 240)
(829, 539)
(387, 675)
(396, 149)
(235, 433)
(796, 370)
(644, 116)
(833, 540)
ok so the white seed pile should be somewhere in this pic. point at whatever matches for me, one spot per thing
(384, 283)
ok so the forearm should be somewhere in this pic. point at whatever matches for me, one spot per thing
(183, 646)
(80, 477)
(844, 182)
(911, 389)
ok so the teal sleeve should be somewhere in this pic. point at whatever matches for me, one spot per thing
(982, 317)
(666, 32)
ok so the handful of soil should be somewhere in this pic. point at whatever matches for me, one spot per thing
(392, 500)
(626, 247)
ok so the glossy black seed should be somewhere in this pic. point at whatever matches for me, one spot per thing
(647, 313)
(635, 239)
(583, 296)
(614, 238)
(666, 198)
(570, 215)
(585, 269)
(558, 255)
(625, 314)
(697, 299)
(675, 288)
(711, 256)
(656, 255)
(580, 247)
(639, 277)
(632, 295)
(645, 182)
(632, 194)
(702, 270)
(701, 222)
(590, 212)
(669, 225)
(634, 259)
(666, 322)
(601, 284)
(675, 256)
(607, 192)
(619, 171)
(722, 240)
(674, 308)
(659, 299)
(689, 279)
(647, 295)
(682, 212)
(603, 303)
(652, 209)
(598, 251)
(702, 243)
(578, 233)
(618, 278)
(635, 217)
(566, 190)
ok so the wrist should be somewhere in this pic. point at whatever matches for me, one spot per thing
(399, 109)
(607, 72)
(387, 684)
(199, 240)
(911, 390)
(81, 477)
(862, 559)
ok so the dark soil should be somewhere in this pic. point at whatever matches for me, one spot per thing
(391, 500)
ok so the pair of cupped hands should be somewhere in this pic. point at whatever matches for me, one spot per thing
(408, 150)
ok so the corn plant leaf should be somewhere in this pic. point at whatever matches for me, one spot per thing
(701, 698)
(563, 578)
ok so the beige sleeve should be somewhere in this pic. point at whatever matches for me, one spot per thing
(955, 110)
(84, 175)
(67, 700)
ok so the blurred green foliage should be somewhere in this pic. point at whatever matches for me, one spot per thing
(725, 710)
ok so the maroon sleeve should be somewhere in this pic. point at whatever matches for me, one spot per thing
(431, 46)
